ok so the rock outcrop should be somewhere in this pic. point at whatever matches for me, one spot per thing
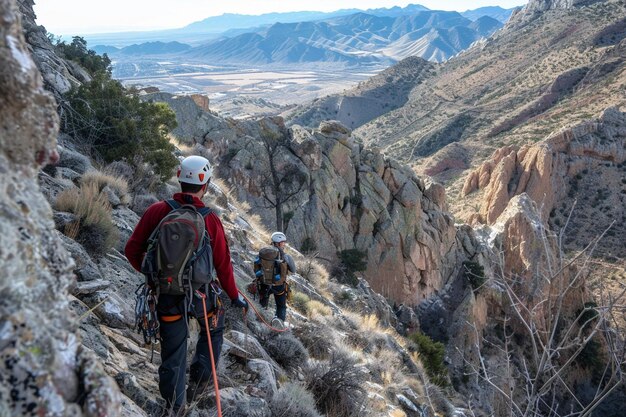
(546, 171)
(44, 370)
(344, 196)
(538, 6)
(58, 74)
(518, 257)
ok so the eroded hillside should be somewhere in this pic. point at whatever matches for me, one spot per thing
(552, 65)
(499, 295)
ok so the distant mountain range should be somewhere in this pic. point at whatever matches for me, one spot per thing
(147, 48)
(495, 12)
(358, 38)
(229, 25)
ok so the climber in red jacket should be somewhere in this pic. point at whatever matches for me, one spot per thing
(194, 176)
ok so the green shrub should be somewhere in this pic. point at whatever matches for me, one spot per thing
(119, 126)
(308, 246)
(431, 354)
(77, 51)
(474, 273)
(350, 261)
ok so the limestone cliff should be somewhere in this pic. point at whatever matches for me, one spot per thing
(345, 196)
(44, 369)
(582, 167)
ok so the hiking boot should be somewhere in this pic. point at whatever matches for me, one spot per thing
(195, 389)
(277, 323)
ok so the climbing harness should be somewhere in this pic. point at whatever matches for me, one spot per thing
(146, 320)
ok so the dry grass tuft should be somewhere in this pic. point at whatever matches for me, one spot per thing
(314, 272)
(101, 180)
(300, 302)
(94, 227)
(293, 400)
(315, 308)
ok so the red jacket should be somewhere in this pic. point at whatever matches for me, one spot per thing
(138, 242)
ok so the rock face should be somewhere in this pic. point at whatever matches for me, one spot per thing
(517, 252)
(577, 177)
(343, 196)
(545, 171)
(44, 370)
(192, 114)
(58, 74)
(536, 6)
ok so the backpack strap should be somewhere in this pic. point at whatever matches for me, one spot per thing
(173, 204)
(204, 211)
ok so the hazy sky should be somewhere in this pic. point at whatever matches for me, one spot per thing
(76, 17)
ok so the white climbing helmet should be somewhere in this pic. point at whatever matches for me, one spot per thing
(278, 237)
(195, 170)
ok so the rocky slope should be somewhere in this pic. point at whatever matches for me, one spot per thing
(562, 66)
(578, 171)
(378, 95)
(348, 196)
(374, 204)
(45, 370)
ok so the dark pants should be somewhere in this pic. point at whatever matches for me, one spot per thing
(174, 350)
(280, 296)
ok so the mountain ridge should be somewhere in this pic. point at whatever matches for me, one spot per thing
(356, 38)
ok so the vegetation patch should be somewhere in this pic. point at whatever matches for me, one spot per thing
(112, 121)
(431, 354)
(350, 261)
(93, 227)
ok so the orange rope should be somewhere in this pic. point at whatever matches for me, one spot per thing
(208, 333)
(261, 317)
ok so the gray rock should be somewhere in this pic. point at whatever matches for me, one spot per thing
(67, 173)
(112, 309)
(132, 389)
(62, 219)
(142, 201)
(266, 377)
(125, 220)
(90, 287)
(112, 196)
(85, 269)
(73, 160)
(240, 404)
(408, 406)
(51, 187)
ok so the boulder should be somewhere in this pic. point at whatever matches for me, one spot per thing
(266, 377)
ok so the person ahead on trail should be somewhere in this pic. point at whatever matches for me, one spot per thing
(271, 268)
(194, 176)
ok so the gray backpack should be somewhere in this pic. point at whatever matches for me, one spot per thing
(179, 259)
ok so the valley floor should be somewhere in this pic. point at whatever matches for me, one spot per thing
(242, 92)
